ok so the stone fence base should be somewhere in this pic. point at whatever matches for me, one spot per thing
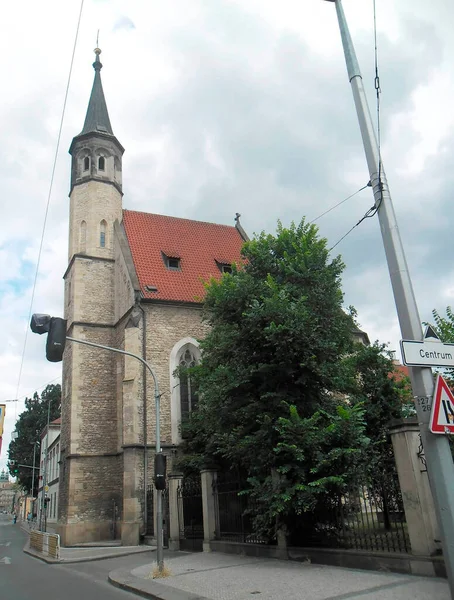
(431, 566)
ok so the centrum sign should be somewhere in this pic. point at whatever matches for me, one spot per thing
(430, 352)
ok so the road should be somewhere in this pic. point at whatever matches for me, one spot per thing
(23, 577)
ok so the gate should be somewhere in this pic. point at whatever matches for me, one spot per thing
(190, 515)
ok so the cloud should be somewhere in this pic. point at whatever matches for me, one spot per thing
(227, 107)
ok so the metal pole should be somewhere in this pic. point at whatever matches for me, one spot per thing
(33, 475)
(160, 549)
(160, 541)
(43, 497)
(436, 447)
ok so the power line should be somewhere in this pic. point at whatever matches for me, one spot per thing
(48, 197)
(339, 203)
(36, 389)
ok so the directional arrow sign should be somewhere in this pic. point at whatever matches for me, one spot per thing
(5, 561)
(442, 413)
(428, 353)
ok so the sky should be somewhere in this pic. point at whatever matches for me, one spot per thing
(225, 106)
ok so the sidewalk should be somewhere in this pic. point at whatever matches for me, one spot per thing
(216, 576)
(88, 552)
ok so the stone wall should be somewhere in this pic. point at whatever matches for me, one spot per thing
(166, 326)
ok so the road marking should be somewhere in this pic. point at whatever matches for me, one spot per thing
(5, 544)
(6, 560)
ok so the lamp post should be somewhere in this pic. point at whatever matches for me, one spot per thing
(34, 468)
(436, 447)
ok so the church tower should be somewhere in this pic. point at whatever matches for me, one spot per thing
(91, 471)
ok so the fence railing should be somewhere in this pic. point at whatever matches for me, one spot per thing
(368, 517)
(234, 512)
(365, 518)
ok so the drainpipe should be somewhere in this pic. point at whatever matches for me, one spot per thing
(145, 420)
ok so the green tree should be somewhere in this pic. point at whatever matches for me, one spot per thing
(445, 329)
(29, 426)
(384, 394)
(272, 364)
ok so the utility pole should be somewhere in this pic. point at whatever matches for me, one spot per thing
(43, 515)
(436, 447)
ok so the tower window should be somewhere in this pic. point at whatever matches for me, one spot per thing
(86, 163)
(101, 163)
(102, 234)
(83, 237)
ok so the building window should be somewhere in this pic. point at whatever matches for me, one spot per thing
(102, 234)
(86, 163)
(101, 163)
(188, 392)
(83, 237)
(224, 267)
(173, 263)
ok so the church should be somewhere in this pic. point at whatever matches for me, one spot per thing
(134, 281)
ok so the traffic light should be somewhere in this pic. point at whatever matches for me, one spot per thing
(160, 464)
(56, 334)
(13, 467)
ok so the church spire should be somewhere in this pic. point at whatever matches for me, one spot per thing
(97, 117)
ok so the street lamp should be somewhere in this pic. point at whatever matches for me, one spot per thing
(55, 327)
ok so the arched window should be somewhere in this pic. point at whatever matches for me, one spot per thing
(184, 395)
(102, 234)
(188, 392)
(83, 237)
(101, 163)
(86, 163)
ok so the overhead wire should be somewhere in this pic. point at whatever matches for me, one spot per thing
(376, 207)
(339, 203)
(46, 213)
(36, 389)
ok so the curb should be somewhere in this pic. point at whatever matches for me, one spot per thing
(148, 588)
(62, 561)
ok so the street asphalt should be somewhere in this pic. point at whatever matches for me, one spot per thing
(197, 576)
(24, 578)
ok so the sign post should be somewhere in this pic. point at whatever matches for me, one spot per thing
(436, 447)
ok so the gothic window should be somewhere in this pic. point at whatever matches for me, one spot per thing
(83, 237)
(102, 234)
(101, 163)
(188, 392)
(86, 163)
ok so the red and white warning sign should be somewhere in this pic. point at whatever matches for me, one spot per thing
(442, 414)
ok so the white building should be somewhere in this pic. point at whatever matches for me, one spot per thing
(49, 471)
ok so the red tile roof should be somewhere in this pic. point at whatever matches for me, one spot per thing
(198, 245)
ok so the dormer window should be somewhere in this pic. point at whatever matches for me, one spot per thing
(224, 267)
(173, 263)
(86, 163)
(101, 163)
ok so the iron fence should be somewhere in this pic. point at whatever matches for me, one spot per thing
(234, 512)
(190, 514)
(368, 517)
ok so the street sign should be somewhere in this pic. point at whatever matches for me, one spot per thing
(46, 488)
(431, 352)
(442, 414)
